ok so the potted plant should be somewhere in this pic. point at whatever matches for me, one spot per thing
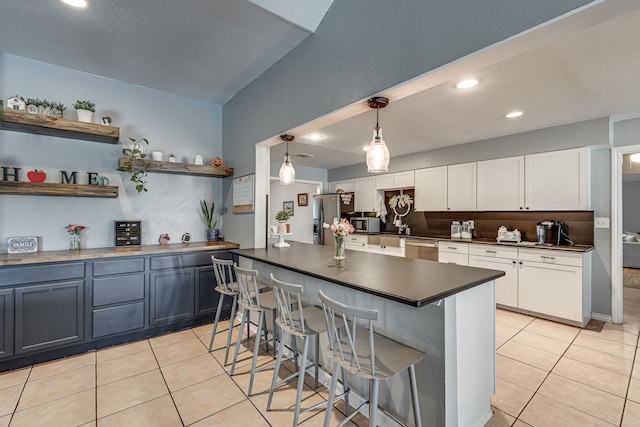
(85, 110)
(172, 158)
(282, 217)
(134, 153)
(106, 120)
(207, 214)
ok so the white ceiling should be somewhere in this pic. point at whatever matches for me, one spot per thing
(206, 50)
(586, 73)
(578, 68)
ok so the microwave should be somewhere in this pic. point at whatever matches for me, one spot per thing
(366, 225)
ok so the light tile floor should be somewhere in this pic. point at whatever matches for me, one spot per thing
(548, 374)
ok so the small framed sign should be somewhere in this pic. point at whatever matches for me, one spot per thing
(288, 207)
(21, 245)
(303, 199)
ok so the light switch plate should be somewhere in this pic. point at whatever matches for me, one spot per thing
(601, 223)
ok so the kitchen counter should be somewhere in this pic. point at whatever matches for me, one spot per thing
(405, 280)
(445, 310)
(523, 244)
(84, 254)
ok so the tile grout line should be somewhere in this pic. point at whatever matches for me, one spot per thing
(165, 383)
(633, 362)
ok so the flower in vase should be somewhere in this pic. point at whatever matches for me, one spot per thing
(340, 228)
(75, 229)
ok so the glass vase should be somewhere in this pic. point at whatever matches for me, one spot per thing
(339, 254)
(74, 242)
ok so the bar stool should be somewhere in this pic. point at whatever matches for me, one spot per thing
(251, 300)
(223, 270)
(296, 321)
(366, 354)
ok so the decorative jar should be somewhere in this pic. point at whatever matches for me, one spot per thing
(74, 242)
(339, 254)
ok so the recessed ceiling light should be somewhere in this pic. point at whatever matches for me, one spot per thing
(467, 84)
(315, 136)
(513, 114)
(76, 3)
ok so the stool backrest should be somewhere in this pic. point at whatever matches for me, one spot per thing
(286, 293)
(350, 317)
(223, 270)
(248, 286)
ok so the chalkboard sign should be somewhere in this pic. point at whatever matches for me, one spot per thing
(128, 233)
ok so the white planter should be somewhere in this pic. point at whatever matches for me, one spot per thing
(85, 116)
(157, 155)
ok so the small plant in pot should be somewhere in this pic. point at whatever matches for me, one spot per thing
(137, 174)
(282, 217)
(85, 110)
(207, 214)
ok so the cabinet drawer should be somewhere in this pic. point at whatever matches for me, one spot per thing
(186, 260)
(41, 273)
(118, 266)
(493, 251)
(115, 289)
(551, 257)
(357, 238)
(113, 320)
(456, 247)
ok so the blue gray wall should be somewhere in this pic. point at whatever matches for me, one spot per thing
(173, 124)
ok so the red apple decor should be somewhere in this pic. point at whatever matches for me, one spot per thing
(36, 175)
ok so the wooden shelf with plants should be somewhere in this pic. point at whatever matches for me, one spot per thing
(20, 121)
(177, 168)
(51, 189)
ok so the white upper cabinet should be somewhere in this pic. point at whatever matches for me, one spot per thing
(365, 194)
(347, 185)
(501, 184)
(461, 187)
(394, 180)
(431, 189)
(557, 180)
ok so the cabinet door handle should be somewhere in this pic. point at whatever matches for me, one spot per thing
(548, 258)
(519, 262)
(452, 248)
(514, 262)
(491, 252)
(527, 207)
(521, 208)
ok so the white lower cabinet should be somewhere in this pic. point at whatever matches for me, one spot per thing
(554, 284)
(386, 250)
(356, 242)
(453, 252)
(503, 259)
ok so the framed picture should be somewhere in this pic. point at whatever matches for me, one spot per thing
(303, 199)
(288, 207)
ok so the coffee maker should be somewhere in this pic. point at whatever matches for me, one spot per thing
(552, 232)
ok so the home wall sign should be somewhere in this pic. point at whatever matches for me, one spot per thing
(11, 173)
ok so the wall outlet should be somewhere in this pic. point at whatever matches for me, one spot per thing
(601, 223)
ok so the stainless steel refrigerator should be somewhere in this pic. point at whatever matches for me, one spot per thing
(325, 208)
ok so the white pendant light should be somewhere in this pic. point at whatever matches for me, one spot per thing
(287, 172)
(378, 153)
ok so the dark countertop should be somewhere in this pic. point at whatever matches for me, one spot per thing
(83, 254)
(409, 281)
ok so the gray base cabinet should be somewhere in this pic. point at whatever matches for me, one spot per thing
(6, 328)
(171, 296)
(48, 315)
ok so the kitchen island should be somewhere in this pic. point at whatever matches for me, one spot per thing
(445, 310)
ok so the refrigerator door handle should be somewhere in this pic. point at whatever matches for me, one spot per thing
(320, 223)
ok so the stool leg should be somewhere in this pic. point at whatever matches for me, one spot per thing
(332, 394)
(345, 389)
(303, 362)
(373, 402)
(317, 359)
(277, 369)
(231, 324)
(256, 349)
(414, 395)
(215, 322)
(235, 355)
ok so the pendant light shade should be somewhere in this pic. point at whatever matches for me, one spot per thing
(378, 153)
(287, 172)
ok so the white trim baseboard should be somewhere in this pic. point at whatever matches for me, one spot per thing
(601, 317)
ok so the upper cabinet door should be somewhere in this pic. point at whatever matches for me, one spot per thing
(431, 189)
(365, 194)
(557, 180)
(384, 181)
(347, 186)
(501, 184)
(461, 185)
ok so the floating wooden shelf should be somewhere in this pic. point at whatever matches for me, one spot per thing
(48, 189)
(20, 121)
(177, 168)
